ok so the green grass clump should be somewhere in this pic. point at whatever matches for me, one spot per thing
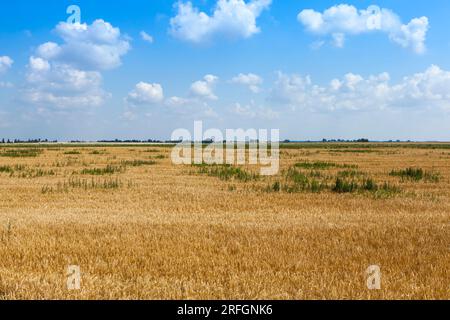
(138, 163)
(73, 183)
(98, 152)
(353, 151)
(21, 171)
(350, 174)
(227, 172)
(322, 165)
(108, 170)
(276, 187)
(416, 174)
(94, 184)
(6, 169)
(72, 152)
(367, 185)
(36, 173)
(387, 190)
(297, 181)
(151, 151)
(21, 153)
(345, 186)
(297, 177)
(84, 184)
(350, 186)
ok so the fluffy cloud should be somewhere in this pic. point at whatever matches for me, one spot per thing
(342, 20)
(62, 86)
(98, 46)
(190, 107)
(146, 37)
(230, 18)
(143, 95)
(204, 89)
(194, 105)
(252, 112)
(5, 64)
(412, 35)
(176, 102)
(252, 81)
(146, 94)
(429, 89)
(67, 75)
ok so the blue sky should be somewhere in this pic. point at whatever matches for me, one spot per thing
(313, 69)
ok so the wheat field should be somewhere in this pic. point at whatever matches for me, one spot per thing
(140, 227)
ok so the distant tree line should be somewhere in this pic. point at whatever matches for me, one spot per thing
(129, 141)
(207, 141)
(3, 141)
(362, 140)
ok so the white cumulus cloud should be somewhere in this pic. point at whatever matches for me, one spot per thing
(5, 63)
(230, 18)
(204, 89)
(189, 107)
(425, 90)
(62, 86)
(252, 81)
(146, 37)
(342, 20)
(176, 101)
(67, 74)
(98, 46)
(146, 94)
(254, 112)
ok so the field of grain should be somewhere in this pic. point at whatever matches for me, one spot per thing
(140, 227)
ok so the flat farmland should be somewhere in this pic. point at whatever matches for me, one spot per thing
(140, 227)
